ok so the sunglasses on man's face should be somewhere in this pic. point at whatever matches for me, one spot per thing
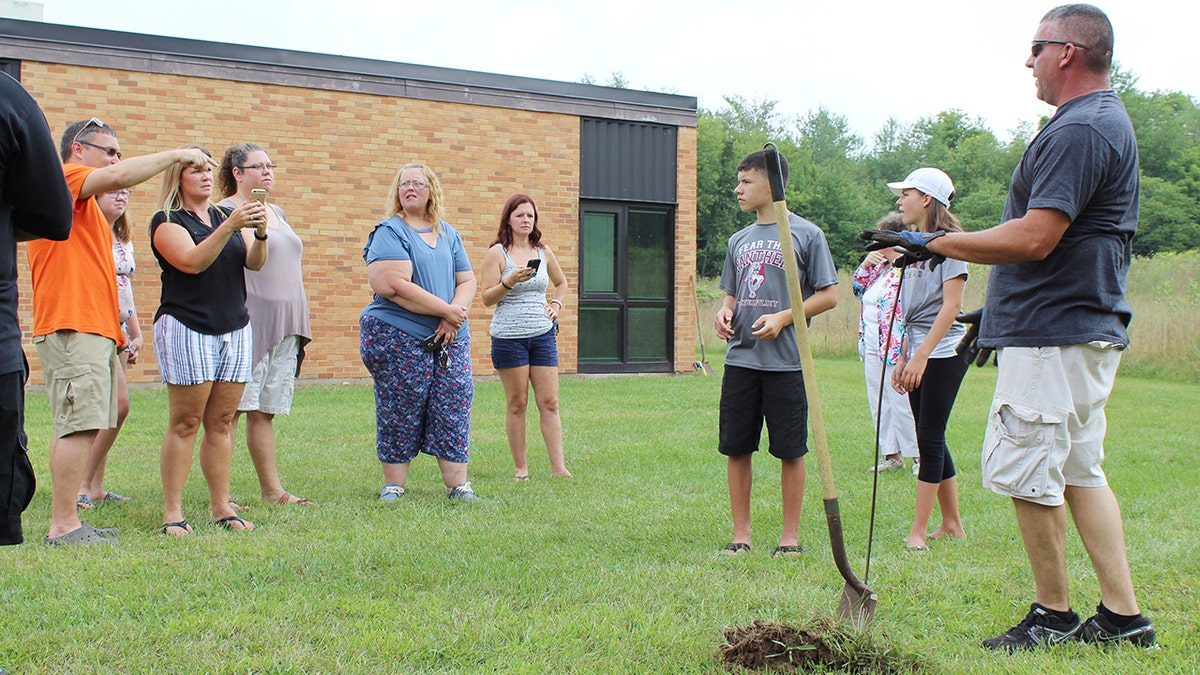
(1037, 45)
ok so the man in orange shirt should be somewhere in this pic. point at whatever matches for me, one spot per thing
(75, 313)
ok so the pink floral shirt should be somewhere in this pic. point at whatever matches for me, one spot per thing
(882, 273)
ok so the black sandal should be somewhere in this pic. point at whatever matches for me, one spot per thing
(227, 522)
(736, 549)
(181, 524)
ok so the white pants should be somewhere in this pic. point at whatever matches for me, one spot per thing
(897, 430)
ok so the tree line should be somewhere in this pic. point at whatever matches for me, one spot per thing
(838, 180)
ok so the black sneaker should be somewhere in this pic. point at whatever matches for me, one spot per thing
(1039, 628)
(1100, 630)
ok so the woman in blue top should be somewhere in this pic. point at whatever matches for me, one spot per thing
(414, 338)
(524, 349)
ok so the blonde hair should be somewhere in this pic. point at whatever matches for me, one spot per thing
(169, 196)
(433, 208)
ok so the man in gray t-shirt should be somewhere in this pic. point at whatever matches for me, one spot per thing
(762, 380)
(1056, 310)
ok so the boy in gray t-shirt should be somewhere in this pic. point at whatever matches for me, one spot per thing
(762, 380)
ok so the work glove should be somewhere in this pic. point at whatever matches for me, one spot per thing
(968, 347)
(914, 244)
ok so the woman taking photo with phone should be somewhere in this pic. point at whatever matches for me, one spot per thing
(113, 205)
(928, 369)
(524, 326)
(279, 318)
(202, 333)
(414, 338)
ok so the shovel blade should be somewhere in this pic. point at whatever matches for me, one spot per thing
(857, 607)
(702, 367)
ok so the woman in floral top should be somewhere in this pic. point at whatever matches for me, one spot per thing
(875, 283)
(113, 204)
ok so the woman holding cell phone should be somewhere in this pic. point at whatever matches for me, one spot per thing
(202, 334)
(524, 326)
(279, 317)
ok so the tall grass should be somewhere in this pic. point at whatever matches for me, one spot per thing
(1164, 292)
(613, 571)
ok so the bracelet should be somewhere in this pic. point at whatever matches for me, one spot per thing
(554, 300)
(504, 284)
(262, 238)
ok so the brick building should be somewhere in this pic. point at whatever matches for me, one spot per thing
(613, 172)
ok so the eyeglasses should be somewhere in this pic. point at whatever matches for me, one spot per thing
(119, 194)
(1037, 45)
(260, 167)
(107, 149)
(414, 184)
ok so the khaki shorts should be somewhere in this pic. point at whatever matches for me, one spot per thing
(1047, 424)
(81, 380)
(273, 380)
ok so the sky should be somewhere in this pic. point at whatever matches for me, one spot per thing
(867, 61)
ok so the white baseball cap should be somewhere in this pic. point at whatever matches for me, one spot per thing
(933, 182)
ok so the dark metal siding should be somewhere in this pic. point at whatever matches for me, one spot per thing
(12, 67)
(627, 161)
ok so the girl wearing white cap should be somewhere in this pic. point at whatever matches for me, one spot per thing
(928, 369)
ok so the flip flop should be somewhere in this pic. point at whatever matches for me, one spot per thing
(916, 549)
(287, 498)
(179, 525)
(111, 496)
(227, 522)
(83, 502)
(735, 549)
(237, 507)
(521, 478)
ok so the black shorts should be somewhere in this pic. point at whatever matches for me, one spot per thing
(750, 396)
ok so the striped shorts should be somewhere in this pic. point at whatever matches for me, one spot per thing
(186, 357)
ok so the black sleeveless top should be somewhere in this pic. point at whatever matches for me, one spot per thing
(212, 302)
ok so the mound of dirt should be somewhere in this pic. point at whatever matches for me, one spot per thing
(823, 645)
(766, 645)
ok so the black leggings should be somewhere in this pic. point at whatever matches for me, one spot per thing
(931, 404)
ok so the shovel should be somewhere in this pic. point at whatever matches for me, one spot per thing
(857, 604)
(701, 366)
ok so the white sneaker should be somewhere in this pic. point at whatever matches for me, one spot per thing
(916, 467)
(888, 464)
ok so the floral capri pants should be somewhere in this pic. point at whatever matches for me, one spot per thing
(420, 406)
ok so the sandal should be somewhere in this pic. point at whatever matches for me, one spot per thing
(227, 522)
(736, 549)
(84, 502)
(237, 507)
(179, 525)
(788, 551)
(519, 478)
(287, 498)
(111, 496)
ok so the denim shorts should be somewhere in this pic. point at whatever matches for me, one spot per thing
(539, 350)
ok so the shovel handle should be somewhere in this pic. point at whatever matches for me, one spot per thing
(800, 322)
(816, 417)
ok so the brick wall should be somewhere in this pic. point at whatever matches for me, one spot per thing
(337, 154)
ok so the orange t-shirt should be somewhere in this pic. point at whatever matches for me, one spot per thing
(75, 281)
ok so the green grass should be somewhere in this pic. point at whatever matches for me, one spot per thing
(613, 571)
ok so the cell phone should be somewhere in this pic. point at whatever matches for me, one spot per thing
(535, 264)
(259, 195)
